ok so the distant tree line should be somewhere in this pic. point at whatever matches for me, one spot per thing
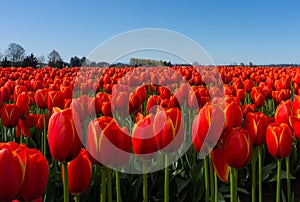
(148, 62)
(15, 55)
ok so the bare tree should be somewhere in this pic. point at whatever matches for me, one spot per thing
(1, 55)
(15, 53)
(54, 59)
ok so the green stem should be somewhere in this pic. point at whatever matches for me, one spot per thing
(253, 171)
(288, 178)
(278, 180)
(45, 134)
(259, 149)
(206, 178)
(109, 184)
(145, 190)
(66, 190)
(216, 186)
(103, 185)
(233, 184)
(118, 190)
(211, 176)
(77, 198)
(166, 185)
(21, 139)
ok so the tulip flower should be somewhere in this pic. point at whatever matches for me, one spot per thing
(259, 99)
(279, 141)
(23, 102)
(64, 133)
(256, 124)
(25, 124)
(143, 137)
(11, 173)
(10, 115)
(55, 99)
(79, 173)
(238, 150)
(153, 102)
(283, 112)
(166, 129)
(41, 97)
(233, 114)
(36, 175)
(207, 127)
(107, 142)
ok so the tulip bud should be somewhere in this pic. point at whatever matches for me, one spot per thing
(238, 148)
(12, 171)
(36, 175)
(283, 111)
(10, 115)
(64, 131)
(166, 129)
(279, 140)
(107, 143)
(256, 124)
(143, 137)
(41, 97)
(207, 127)
(79, 173)
(234, 115)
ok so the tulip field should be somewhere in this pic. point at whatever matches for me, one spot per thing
(180, 133)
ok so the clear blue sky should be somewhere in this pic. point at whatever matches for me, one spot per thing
(230, 31)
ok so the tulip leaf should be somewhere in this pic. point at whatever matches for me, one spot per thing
(221, 197)
(283, 196)
(181, 183)
(267, 170)
(282, 176)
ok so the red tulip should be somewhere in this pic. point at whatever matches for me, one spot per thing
(18, 90)
(36, 175)
(296, 105)
(41, 97)
(283, 111)
(106, 109)
(25, 124)
(248, 108)
(234, 115)
(259, 99)
(23, 102)
(238, 148)
(10, 115)
(79, 173)
(153, 101)
(295, 124)
(143, 138)
(219, 162)
(12, 171)
(107, 142)
(207, 127)
(166, 129)
(256, 124)
(64, 132)
(279, 140)
(55, 99)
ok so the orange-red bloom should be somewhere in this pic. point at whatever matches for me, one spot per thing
(107, 143)
(64, 133)
(279, 140)
(10, 115)
(79, 173)
(238, 148)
